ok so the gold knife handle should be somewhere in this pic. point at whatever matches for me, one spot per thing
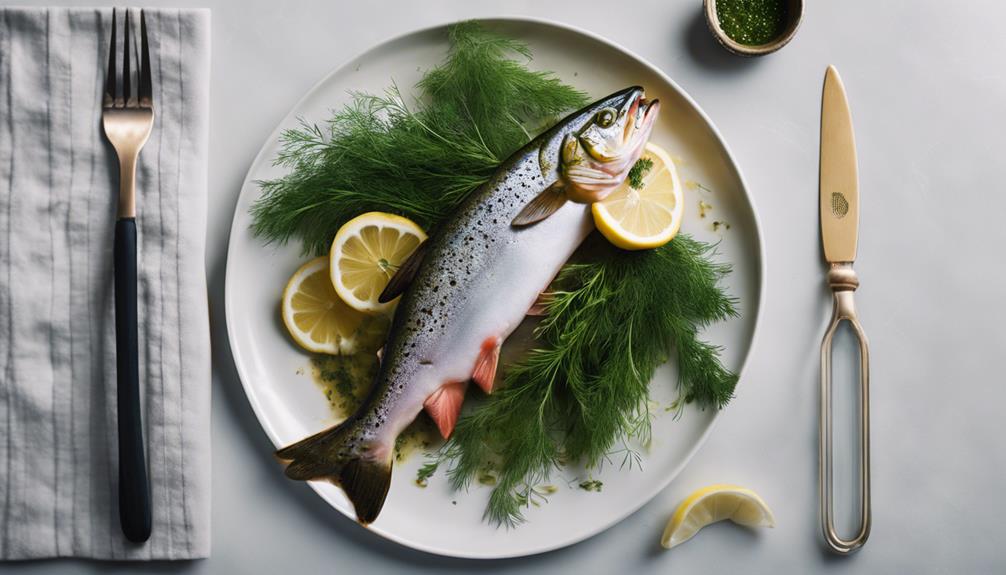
(843, 281)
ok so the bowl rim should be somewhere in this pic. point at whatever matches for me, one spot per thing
(713, 21)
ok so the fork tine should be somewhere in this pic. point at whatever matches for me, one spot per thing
(146, 88)
(127, 93)
(110, 77)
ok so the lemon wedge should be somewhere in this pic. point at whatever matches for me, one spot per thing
(647, 217)
(321, 322)
(366, 252)
(712, 504)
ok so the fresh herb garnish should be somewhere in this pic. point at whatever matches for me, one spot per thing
(426, 472)
(609, 323)
(639, 171)
(418, 160)
(612, 318)
(591, 485)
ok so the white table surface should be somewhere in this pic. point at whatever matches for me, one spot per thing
(927, 85)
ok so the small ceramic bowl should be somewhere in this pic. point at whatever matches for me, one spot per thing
(794, 16)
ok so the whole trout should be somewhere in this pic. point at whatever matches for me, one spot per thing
(471, 283)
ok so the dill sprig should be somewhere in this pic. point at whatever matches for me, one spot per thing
(418, 160)
(638, 171)
(610, 322)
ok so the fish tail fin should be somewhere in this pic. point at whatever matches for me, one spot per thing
(366, 483)
(331, 455)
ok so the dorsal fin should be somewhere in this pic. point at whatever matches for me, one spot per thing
(404, 276)
(542, 206)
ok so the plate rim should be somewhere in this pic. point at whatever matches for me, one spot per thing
(661, 485)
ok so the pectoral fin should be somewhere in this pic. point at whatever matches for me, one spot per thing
(485, 366)
(404, 276)
(444, 405)
(542, 206)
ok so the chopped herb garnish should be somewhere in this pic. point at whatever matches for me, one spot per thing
(426, 472)
(703, 208)
(639, 171)
(752, 22)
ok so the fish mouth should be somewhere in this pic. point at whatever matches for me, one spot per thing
(643, 113)
(650, 109)
(642, 116)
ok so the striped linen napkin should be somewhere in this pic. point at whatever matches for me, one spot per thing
(58, 191)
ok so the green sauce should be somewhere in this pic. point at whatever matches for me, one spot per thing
(752, 22)
(345, 381)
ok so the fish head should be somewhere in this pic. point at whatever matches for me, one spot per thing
(609, 137)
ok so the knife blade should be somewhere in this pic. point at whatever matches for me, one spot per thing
(839, 178)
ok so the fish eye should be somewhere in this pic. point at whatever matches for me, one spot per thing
(606, 117)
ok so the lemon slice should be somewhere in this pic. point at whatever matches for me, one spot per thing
(321, 322)
(648, 217)
(366, 252)
(712, 504)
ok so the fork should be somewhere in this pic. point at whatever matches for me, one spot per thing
(128, 116)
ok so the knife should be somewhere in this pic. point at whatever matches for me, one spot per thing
(839, 206)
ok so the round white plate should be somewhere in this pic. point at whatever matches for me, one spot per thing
(290, 405)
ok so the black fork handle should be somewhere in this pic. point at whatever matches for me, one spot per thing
(134, 492)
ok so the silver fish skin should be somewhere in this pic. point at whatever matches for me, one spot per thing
(477, 278)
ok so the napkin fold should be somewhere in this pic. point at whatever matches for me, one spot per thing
(58, 192)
